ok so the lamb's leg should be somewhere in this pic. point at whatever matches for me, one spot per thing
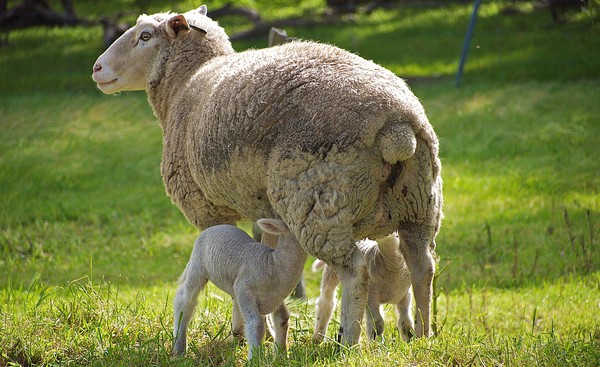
(405, 323)
(281, 318)
(254, 322)
(418, 250)
(270, 332)
(237, 321)
(300, 291)
(354, 279)
(375, 322)
(325, 303)
(184, 305)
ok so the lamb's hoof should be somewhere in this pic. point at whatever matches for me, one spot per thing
(318, 338)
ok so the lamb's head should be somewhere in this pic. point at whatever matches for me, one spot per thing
(127, 64)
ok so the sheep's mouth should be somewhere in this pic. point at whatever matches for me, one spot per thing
(107, 83)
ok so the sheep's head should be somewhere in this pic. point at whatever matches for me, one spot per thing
(127, 63)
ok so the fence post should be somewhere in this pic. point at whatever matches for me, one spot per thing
(465, 50)
(277, 37)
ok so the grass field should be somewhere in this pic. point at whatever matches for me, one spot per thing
(91, 247)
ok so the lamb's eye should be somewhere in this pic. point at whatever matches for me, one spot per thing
(145, 36)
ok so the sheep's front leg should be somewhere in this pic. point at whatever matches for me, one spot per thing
(281, 318)
(354, 279)
(418, 253)
(405, 323)
(325, 303)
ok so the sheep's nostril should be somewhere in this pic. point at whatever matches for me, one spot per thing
(97, 67)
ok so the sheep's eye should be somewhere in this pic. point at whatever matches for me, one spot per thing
(145, 36)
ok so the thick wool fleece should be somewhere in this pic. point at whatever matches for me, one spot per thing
(335, 145)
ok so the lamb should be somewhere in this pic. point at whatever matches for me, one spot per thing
(389, 282)
(257, 276)
(334, 145)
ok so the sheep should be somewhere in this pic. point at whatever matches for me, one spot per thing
(389, 282)
(257, 277)
(335, 145)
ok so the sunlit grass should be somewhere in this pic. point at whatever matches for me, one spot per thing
(119, 324)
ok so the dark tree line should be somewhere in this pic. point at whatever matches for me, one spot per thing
(30, 13)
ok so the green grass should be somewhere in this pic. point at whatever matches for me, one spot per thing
(91, 247)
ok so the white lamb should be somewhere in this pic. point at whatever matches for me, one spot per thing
(389, 282)
(335, 145)
(257, 277)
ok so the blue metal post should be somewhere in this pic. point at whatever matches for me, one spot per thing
(465, 50)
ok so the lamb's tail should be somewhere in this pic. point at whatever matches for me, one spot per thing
(397, 141)
(317, 265)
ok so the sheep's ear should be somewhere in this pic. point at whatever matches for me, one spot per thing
(202, 10)
(176, 24)
(273, 226)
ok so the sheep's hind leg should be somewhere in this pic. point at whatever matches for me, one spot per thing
(418, 250)
(325, 303)
(354, 279)
(184, 305)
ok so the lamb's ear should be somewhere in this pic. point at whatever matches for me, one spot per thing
(202, 10)
(176, 24)
(273, 226)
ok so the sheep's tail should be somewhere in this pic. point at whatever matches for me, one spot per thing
(317, 265)
(397, 141)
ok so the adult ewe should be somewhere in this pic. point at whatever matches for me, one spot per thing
(335, 145)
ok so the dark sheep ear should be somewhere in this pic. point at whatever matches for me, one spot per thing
(177, 24)
(198, 29)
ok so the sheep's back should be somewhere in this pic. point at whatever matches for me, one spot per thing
(299, 96)
(312, 95)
